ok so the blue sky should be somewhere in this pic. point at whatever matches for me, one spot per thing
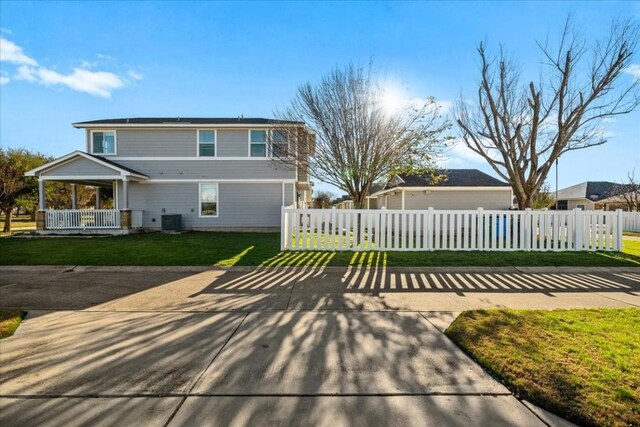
(89, 60)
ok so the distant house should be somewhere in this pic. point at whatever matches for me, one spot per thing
(591, 195)
(451, 189)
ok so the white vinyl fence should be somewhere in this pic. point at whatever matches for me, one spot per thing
(631, 221)
(73, 219)
(426, 230)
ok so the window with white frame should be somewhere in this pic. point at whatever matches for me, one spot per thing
(209, 200)
(258, 143)
(103, 142)
(279, 144)
(206, 143)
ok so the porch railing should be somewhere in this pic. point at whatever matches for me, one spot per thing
(77, 219)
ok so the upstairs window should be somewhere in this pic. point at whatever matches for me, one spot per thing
(258, 143)
(103, 142)
(279, 144)
(206, 143)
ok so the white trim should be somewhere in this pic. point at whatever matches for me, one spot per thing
(70, 157)
(238, 181)
(200, 200)
(216, 158)
(83, 178)
(215, 143)
(115, 142)
(410, 189)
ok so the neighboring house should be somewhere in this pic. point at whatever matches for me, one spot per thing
(217, 173)
(591, 195)
(451, 190)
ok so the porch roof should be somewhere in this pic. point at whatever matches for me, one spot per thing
(105, 169)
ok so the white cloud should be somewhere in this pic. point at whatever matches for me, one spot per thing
(459, 155)
(634, 70)
(11, 52)
(26, 73)
(4, 80)
(134, 75)
(98, 83)
(81, 79)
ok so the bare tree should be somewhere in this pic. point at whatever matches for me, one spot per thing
(521, 130)
(357, 141)
(322, 200)
(629, 192)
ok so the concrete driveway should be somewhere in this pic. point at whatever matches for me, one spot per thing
(291, 346)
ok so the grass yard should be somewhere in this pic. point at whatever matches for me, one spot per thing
(583, 365)
(19, 223)
(252, 249)
(9, 322)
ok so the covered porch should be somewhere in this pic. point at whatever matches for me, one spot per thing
(102, 185)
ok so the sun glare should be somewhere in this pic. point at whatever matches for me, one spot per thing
(391, 101)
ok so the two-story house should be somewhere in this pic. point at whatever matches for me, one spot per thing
(216, 173)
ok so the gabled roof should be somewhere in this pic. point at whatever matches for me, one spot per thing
(591, 190)
(121, 170)
(447, 178)
(185, 121)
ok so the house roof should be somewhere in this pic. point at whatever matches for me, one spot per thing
(592, 190)
(117, 165)
(186, 121)
(123, 170)
(448, 178)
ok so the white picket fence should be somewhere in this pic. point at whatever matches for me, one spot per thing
(631, 221)
(82, 219)
(460, 230)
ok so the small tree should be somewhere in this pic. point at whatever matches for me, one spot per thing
(544, 199)
(521, 130)
(14, 162)
(358, 139)
(322, 200)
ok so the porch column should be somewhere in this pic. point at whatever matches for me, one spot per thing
(40, 215)
(114, 191)
(402, 199)
(125, 194)
(97, 197)
(74, 197)
(41, 196)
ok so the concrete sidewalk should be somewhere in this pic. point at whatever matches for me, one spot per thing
(290, 346)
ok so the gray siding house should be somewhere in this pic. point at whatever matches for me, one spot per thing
(217, 173)
(452, 189)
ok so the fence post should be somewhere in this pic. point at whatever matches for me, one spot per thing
(619, 229)
(528, 229)
(480, 229)
(283, 229)
(430, 229)
(333, 235)
(578, 227)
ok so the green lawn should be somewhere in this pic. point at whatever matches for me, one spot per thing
(9, 322)
(249, 249)
(583, 365)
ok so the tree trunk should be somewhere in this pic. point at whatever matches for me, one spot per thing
(7, 220)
